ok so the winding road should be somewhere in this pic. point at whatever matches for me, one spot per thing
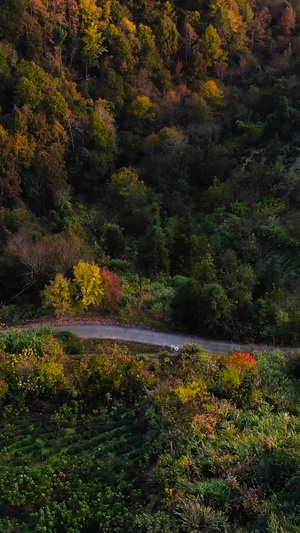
(155, 338)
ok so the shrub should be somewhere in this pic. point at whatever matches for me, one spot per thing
(71, 342)
(118, 373)
(19, 340)
(195, 516)
(237, 376)
(215, 492)
(277, 387)
(8, 313)
(192, 391)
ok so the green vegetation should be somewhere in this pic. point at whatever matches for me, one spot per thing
(150, 164)
(111, 442)
(149, 173)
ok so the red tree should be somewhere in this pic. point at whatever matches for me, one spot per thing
(288, 21)
(112, 288)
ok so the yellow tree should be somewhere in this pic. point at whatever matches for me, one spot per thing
(89, 285)
(212, 43)
(58, 296)
(212, 94)
(92, 36)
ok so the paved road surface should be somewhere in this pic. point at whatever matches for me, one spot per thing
(156, 338)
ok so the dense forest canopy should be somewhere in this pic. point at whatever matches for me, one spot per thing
(159, 140)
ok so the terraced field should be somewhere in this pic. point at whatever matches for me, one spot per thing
(88, 453)
(33, 437)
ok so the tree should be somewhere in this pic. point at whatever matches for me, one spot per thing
(149, 56)
(15, 152)
(228, 19)
(287, 21)
(4, 67)
(126, 191)
(212, 44)
(154, 254)
(207, 272)
(58, 296)
(93, 49)
(12, 14)
(112, 291)
(92, 35)
(191, 42)
(212, 93)
(114, 241)
(214, 311)
(90, 289)
(89, 285)
(73, 15)
(262, 27)
(123, 50)
(41, 258)
(185, 303)
(278, 122)
(142, 113)
(167, 38)
(51, 176)
(104, 134)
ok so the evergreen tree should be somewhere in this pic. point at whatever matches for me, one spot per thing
(114, 241)
(154, 254)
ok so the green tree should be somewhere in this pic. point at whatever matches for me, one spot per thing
(154, 255)
(93, 40)
(212, 44)
(4, 67)
(167, 37)
(104, 134)
(126, 191)
(142, 112)
(214, 311)
(114, 241)
(207, 272)
(12, 14)
(149, 56)
(185, 303)
(279, 121)
(123, 49)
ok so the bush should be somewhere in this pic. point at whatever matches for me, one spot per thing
(215, 492)
(277, 387)
(72, 343)
(19, 340)
(8, 313)
(195, 516)
(119, 266)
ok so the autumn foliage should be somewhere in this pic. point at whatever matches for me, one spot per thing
(238, 374)
(112, 290)
(90, 289)
(160, 139)
(243, 361)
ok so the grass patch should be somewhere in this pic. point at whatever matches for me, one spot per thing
(98, 346)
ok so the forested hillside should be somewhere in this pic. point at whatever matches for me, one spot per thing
(161, 142)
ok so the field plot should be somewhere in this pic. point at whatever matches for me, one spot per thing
(53, 465)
